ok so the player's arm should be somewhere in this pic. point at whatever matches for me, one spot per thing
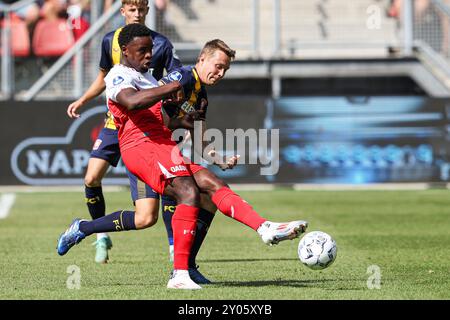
(171, 60)
(95, 89)
(98, 86)
(208, 152)
(132, 99)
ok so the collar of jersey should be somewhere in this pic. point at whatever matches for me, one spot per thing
(198, 84)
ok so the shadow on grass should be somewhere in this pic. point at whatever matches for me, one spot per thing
(246, 260)
(284, 283)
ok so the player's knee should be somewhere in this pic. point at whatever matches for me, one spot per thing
(207, 204)
(92, 180)
(145, 219)
(146, 213)
(189, 194)
(211, 185)
(148, 221)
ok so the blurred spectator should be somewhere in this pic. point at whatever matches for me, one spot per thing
(78, 16)
(186, 7)
(162, 21)
(28, 13)
(396, 8)
(430, 24)
(107, 4)
(54, 9)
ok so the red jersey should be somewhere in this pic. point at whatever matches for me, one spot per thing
(135, 126)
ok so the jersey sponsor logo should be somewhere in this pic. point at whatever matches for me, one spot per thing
(187, 107)
(178, 168)
(175, 76)
(118, 80)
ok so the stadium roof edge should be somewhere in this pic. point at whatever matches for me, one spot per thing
(412, 67)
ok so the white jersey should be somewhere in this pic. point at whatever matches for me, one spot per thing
(121, 77)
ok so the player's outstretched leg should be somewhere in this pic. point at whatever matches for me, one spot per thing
(233, 206)
(272, 232)
(80, 229)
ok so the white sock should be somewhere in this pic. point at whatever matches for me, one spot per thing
(180, 272)
(101, 235)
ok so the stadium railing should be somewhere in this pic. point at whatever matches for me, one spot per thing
(432, 37)
(258, 29)
(7, 56)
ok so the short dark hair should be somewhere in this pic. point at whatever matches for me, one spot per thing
(131, 31)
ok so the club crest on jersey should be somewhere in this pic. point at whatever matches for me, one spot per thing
(97, 144)
(118, 80)
(175, 76)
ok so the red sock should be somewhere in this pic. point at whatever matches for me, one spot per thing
(230, 204)
(184, 223)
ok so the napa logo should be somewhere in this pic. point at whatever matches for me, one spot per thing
(62, 160)
(175, 76)
(118, 80)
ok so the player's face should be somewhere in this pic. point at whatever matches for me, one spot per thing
(138, 53)
(211, 68)
(134, 14)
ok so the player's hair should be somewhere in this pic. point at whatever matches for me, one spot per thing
(211, 46)
(131, 31)
(137, 3)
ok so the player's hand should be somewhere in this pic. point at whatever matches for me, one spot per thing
(202, 110)
(199, 114)
(178, 96)
(229, 163)
(72, 110)
(232, 162)
(186, 121)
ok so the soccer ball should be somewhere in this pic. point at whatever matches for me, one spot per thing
(317, 250)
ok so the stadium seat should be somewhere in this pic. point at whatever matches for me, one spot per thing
(20, 37)
(52, 38)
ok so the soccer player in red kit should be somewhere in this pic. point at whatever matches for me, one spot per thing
(149, 152)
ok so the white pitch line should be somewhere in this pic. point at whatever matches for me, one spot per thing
(6, 202)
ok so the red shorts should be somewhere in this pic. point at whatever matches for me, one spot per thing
(156, 163)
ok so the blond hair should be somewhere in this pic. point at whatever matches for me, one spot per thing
(212, 46)
(137, 3)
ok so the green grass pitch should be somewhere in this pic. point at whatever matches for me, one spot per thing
(406, 234)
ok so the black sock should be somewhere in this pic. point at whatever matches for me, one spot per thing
(95, 201)
(116, 221)
(168, 208)
(203, 223)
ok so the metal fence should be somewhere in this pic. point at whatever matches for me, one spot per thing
(431, 35)
(287, 29)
